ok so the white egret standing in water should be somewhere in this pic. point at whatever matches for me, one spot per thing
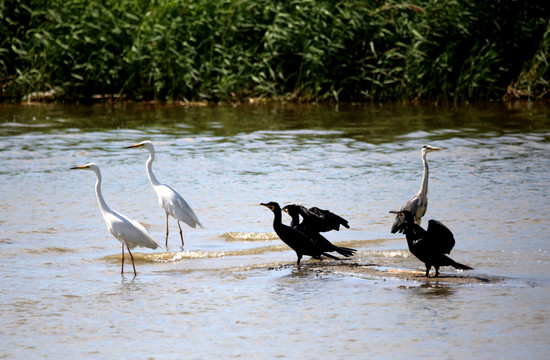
(129, 232)
(419, 203)
(172, 202)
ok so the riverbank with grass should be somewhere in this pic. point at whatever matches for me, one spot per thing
(231, 51)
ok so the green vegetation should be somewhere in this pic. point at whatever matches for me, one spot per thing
(223, 50)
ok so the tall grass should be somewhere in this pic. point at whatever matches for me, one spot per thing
(229, 50)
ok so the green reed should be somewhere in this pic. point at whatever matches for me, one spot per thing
(222, 50)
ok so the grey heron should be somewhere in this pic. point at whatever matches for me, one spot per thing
(419, 203)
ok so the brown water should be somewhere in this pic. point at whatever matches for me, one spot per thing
(234, 291)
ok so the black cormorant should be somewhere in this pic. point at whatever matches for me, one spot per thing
(297, 240)
(429, 246)
(316, 220)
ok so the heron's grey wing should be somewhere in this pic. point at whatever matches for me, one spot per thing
(441, 236)
(417, 206)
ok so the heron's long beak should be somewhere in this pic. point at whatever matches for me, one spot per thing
(133, 146)
(80, 167)
(434, 148)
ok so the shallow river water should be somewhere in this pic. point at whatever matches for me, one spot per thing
(234, 291)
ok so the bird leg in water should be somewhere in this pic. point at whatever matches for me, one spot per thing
(428, 267)
(132, 257)
(167, 231)
(122, 271)
(181, 234)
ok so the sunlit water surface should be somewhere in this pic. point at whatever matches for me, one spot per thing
(234, 291)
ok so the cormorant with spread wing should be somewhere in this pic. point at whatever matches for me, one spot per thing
(316, 220)
(431, 245)
(298, 241)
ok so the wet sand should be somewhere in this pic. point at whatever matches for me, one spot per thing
(374, 271)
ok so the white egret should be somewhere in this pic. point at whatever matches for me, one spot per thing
(419, 203)
(129, 232)
(173, 203)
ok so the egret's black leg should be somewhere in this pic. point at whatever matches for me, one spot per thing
(166, 230)
(132, 257)
(181, 234)
(122, 270)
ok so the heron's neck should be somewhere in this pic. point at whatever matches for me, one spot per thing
(424, 185)
(101, 201)
(152, 177)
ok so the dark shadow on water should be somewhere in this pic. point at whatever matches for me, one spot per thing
(434, 290)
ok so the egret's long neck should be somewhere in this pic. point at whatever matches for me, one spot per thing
(102, 204)
(424, 184)
(149, 166)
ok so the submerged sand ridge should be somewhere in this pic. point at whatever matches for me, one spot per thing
(375, 271)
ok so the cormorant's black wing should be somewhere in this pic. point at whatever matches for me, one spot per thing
(440, 236)
(298, 241)
(327, 220)
(311, 222)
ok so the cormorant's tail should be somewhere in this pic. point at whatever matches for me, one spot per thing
(347, 252)
(460, 266)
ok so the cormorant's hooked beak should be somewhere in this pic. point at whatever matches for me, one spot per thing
(395, 212)
(267, 206)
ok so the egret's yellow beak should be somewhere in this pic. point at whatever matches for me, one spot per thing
(133, 146)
